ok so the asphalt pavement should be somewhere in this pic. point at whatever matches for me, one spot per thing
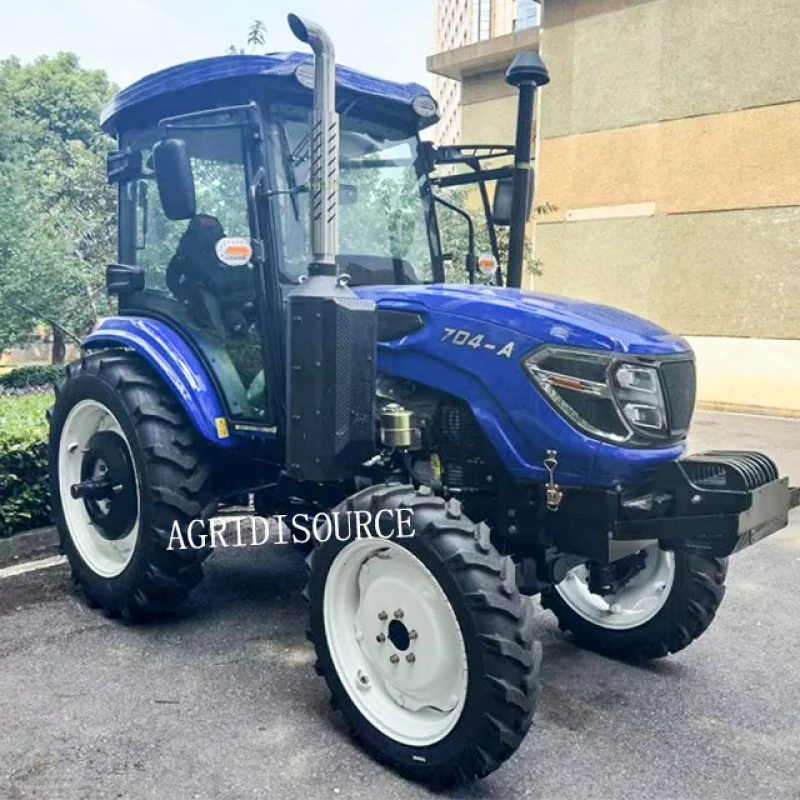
(222, 701)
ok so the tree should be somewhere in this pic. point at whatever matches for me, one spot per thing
(57, 215)
(256, 37)
(455, 240)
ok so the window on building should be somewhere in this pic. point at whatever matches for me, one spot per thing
(481, 20)
(528, 12)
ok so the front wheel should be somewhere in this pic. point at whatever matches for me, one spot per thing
(669, 600)
(425, 642)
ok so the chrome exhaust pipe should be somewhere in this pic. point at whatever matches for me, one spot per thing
(324, 167)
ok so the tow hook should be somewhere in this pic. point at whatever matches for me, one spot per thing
(554, 493)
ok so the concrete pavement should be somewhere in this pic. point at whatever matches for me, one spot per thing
(222, 701)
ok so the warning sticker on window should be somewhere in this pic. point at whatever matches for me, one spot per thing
(235, 251)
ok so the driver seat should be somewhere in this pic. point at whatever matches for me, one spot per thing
(214, 294)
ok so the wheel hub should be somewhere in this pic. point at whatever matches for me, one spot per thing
(647, 581)
(88, 464)
(405, 662)
(398, 635)
(108, 485)
(410, 645)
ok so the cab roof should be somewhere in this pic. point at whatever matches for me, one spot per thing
(226, 79)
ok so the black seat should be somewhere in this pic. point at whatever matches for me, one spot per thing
(216, 295)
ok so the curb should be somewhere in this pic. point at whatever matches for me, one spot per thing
(21, 547)
(758, 411)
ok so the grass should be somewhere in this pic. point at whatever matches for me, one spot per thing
(23, 418)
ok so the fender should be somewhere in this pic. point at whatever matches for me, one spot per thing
(180, 367)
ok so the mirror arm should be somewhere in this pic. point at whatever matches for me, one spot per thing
(472, 256)
(467, 178)
(302, 189)
(491, 229)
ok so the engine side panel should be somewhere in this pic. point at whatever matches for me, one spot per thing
(480, 362)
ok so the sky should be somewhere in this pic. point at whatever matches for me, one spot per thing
(131, 38)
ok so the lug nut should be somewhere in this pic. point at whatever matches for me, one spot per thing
(380, 638)
(398, 614)
(394, 658)
(411, 658)
(412, 634)
(383, 616)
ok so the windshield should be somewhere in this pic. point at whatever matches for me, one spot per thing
(384, 209)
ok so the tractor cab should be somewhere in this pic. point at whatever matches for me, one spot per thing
(213, 175)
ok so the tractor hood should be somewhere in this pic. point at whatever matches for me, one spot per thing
(546, 318)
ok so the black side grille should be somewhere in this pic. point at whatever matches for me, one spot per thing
(730, 469)
(467, 457)
(680, 388)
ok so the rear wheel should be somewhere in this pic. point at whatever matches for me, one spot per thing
(126, 467)
(425, 642)
(667, 603)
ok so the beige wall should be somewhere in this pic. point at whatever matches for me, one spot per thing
(627, 62)
(489, 122)
(734, 273)
(671, 129)
(742, 159)
(758, 375)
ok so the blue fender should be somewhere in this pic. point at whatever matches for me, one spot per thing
(178, 365)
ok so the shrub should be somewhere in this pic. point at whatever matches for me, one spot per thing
(24, 496)
(34, 376)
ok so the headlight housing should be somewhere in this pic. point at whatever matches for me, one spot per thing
(617, 398)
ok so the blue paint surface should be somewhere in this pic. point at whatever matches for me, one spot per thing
(517, 419)
(174, 360)
(209, 71)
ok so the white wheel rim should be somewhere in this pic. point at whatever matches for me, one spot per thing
(635, 604)
(104, 557)
(416, 701)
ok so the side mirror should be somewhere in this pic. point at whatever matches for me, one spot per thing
(503, 198)
(175, 179)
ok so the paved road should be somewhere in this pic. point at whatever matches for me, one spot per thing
(222, 702)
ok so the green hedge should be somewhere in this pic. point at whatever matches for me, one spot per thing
(30, 377)
(24, 497)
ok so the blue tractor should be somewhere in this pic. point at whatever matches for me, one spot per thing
(285, 329)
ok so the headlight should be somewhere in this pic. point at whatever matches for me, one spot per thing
(604, 395)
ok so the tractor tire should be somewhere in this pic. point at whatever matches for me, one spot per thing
(114, 415)
(442, 682)
(666, 618)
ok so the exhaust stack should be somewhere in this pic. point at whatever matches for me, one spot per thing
(331, 333)
(324, 168)
(527, 73)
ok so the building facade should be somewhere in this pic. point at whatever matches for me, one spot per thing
(460, 23)
(669, 140)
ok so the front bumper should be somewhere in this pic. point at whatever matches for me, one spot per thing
(722, 501)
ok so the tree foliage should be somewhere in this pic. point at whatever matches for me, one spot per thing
(256, 37)
(57, 215)
(455, 240)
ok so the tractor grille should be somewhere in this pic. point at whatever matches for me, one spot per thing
(680, 387)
